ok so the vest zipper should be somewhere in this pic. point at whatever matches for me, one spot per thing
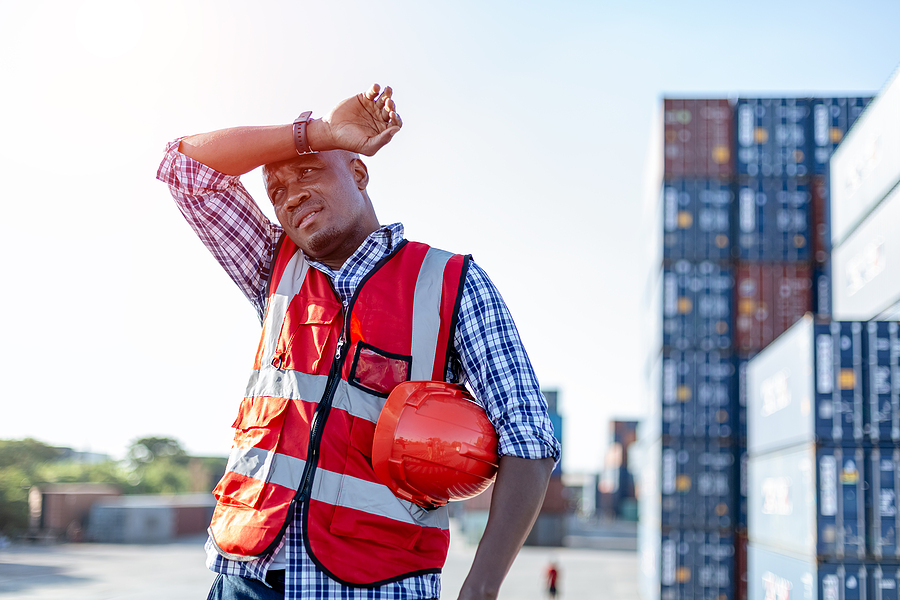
(304, 492)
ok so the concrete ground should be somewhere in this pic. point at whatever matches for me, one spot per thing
(176, 572)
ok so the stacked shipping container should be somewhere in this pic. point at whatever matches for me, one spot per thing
(688, 499)
(824, 399)
(823, 467)
(746, 243)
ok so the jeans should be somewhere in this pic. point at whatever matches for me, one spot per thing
(231, 587)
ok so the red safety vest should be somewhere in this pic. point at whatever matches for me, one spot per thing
(303, 438)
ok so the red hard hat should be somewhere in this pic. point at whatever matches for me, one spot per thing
(433, 443)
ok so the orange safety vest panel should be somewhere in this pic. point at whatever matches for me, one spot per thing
(303, 435)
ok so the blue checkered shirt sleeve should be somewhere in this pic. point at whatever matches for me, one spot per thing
(499, 371)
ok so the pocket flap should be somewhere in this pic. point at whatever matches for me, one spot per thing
(320, 313)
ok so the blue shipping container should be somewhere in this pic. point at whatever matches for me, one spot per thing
(697, 306)
(884, 581)
(698, 489)
(883, 487)
(809, 500)
(697, 565)
(807, 386)
(882, 380)
(697, 219)
(821, 289)
(773, 220)
(774, 576)
(698, 394)
(772, 137)
(830, 120)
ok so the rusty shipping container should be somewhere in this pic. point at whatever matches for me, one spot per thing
(770, 297)
(698, 138)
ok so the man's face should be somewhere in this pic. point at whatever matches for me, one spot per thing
(319, 199)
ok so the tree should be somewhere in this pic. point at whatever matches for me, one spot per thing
(145, 450)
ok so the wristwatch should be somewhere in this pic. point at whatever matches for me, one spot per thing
(301, 141)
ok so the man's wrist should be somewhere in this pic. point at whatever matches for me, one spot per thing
(316, 135)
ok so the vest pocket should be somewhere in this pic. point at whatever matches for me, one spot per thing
(378, 371)
(308, 337)
(348, 522)
(258, 428)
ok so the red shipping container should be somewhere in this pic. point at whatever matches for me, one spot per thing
(740, 565)
(698, 138)
(770, 298)
(819, 218)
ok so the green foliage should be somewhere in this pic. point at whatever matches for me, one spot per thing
(155, 465)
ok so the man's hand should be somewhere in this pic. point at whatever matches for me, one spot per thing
(363, 123)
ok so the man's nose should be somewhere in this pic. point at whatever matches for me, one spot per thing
(296, 197)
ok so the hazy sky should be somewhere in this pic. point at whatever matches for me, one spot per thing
(526, 133)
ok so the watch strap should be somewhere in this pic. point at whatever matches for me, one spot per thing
(301, 141)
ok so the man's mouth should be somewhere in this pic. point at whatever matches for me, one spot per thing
(306, 219)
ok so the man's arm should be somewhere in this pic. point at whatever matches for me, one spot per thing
(517, 497)
(363, 124)
(501, 376)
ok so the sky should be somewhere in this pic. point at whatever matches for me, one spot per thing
(528, 130)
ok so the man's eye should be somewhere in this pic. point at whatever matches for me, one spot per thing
(304, 172)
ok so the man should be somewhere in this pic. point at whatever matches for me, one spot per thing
(332, 287)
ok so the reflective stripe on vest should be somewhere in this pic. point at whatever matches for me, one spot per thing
(282, 470)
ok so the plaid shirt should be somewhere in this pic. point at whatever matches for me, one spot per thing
(242, 239)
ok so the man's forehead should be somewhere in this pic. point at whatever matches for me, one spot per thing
(292, 164)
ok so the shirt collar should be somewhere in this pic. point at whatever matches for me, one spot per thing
(376, 246)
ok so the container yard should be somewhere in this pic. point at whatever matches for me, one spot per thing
(773, 442)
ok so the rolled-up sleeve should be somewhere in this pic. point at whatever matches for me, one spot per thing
(227, 220)
(499, 371)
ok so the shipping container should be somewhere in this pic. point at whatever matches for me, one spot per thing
(866, 166)
(884, 581)
(698, 399)
(807, 386)
(740, 564)
(820, 218)
(697, 138)
(698, 489)
(743, 488)
(831, 119)
(697, 564)
(821, 287)
(882, 489)
(697, 219)
(881, 366)
(697, 306)
(769, 299)
(772, 137)
(773, 219)
(808, 500)
(866, 267)
(775, 576)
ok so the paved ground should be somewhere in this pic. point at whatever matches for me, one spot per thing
(130, 572)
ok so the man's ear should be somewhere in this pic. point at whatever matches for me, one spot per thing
(360, 173)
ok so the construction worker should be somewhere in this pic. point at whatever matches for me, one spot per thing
(349, 310)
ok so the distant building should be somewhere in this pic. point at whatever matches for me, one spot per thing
(148, 519)
(60, 510)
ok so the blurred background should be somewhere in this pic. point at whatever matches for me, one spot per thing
(547, 140)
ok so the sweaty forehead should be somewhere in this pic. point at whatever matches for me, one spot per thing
(292, 165)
